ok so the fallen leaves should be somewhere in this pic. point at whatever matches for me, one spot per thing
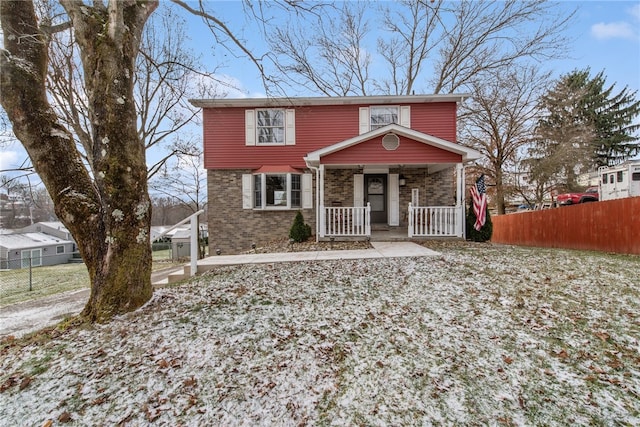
(384, 342)
(65, 417)
(19, 379)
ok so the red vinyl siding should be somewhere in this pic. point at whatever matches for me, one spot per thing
(436, 119)
(408, 152)
(316, 127)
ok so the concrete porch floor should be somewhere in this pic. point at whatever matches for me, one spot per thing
(385, 233)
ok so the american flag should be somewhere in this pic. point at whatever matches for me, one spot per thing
(479, 196)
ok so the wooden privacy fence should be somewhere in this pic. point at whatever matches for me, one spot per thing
(610, 226)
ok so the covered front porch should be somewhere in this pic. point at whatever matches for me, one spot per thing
(422, 221)
(392, 180)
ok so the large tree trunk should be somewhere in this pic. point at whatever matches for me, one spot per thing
(107, 210)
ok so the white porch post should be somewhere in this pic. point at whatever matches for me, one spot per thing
(460, 201)
(410, 226)
(321, 210)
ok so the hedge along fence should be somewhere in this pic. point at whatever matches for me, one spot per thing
(609, 226)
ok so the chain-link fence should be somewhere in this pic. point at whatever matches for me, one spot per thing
(40, 275)
(34, 275)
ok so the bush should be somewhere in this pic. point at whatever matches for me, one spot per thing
(484, 234)
(299, 231)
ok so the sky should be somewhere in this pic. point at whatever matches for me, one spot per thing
(605, 34)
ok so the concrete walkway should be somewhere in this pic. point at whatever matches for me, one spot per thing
(23, 318)
(380, 250)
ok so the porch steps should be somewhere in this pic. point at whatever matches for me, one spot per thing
(169, 276)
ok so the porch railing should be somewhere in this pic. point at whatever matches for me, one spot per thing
(347, 221)
(425, 221)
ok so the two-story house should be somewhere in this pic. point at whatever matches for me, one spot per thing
(351, 165)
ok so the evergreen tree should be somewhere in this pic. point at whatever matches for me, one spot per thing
(585, 125)
(608, 117)
(299, 231)
(564, 135)
(613, 115)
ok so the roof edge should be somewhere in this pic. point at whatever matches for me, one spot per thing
(327, 100)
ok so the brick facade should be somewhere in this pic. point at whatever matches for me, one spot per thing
(233, 229)
(436, 189)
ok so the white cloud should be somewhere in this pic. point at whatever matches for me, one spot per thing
(612, 30)
(8, 160)
(635, 12)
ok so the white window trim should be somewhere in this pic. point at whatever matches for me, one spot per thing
(404, 116)
(248, 197)
(251, 128)
(397, 107)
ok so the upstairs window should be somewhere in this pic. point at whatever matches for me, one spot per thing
(270, 126)
(382, 116)
(377, 116)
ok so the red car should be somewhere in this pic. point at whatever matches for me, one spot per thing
(591, 195)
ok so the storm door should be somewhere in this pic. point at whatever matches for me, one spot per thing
(375, 192)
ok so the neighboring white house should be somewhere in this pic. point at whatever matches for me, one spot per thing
(53, 228)
(617, 182)
(20, 250)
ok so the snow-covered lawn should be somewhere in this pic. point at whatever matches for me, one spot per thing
(482, 335)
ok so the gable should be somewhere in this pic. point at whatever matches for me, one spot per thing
(411, 147)
(409, 151)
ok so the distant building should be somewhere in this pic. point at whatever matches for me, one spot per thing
(20, 250)
(53, 228)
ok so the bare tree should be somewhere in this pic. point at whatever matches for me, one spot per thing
(491, 36)
(500, 119)
(164, 78)
(413, 38)
(107, 211)
(330, 57)
(434, 46)
(184, 182)
(99, 188)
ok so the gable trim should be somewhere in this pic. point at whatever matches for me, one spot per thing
(468, 154)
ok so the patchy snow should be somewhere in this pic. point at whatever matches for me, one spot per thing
(482, 335)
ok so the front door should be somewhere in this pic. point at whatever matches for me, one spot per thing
(375, 192)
